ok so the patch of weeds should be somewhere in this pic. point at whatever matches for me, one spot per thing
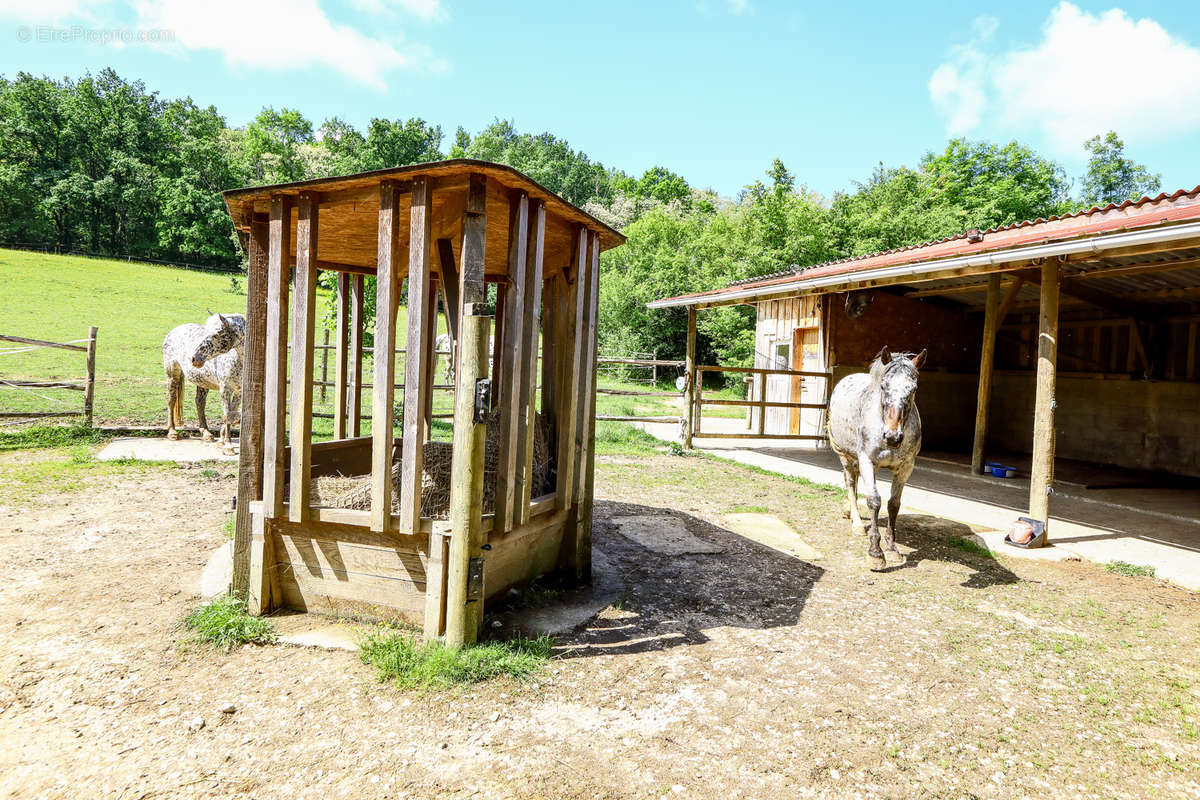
(1130, 570)
(749, 510)
(210, 473)
(969, 546)
(230, 525)
(618, 438)
(401, 660)
(225, 623)
(37, 437)
(676, 449)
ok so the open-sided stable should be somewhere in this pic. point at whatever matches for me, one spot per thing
(447, 229)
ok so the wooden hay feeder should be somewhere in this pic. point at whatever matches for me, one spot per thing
(448, 228)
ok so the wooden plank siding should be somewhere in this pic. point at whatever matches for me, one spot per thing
(418, 354)
(386, 292)
(304, 304)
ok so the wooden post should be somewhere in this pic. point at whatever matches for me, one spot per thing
(428, 345)
(587, 462)
(354, 398)
(275, 370)
(324, 361)
(449, 287)
(689, 399)
(549, 376)
(386, 291)
(987, 354)
(340, 368)
(529, 355)
(510, 461)
(464, 572)
(417, 355)
(498, 371)
(250, 436)
(304, 314)
(89, 391)
(1042, 477)
(571, 355)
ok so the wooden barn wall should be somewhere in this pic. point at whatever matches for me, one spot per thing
(775, 322)
(951, 336)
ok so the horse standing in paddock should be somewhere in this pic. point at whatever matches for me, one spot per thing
(210, 356)
(874, 422)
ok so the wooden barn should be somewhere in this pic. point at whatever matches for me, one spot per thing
(1073, 336)
(441, 526)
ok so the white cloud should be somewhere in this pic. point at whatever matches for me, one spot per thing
(45, 10)
(426, 10)
(283, 35)
(1089, 73)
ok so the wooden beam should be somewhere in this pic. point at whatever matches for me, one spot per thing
(529, 355)
(417, 355)
(275, 370)
(354, 389)
(427, 345)
(549, 376)
(987, 354)
(509, 478)
(449, 272)
(570, 377)
(583, 516)
(1042, 475)
(689, 400)
(304, 314)
(386, 296)
(587, 363)
(341, 392)
(498, 366)
(250, 437)
(472, 288)
(1010, 297)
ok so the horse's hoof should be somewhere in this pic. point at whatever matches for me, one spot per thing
(876, 563)
(894, 557)
(206, 435)
(173, 436)
(845, 513)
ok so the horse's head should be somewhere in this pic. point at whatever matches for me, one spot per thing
(221, 335)
(895, 375)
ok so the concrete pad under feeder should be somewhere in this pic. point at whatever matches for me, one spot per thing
(665, 534)
(147, 449)
(772, 532)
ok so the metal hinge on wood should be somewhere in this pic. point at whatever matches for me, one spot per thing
(474, 579)
(483, 400)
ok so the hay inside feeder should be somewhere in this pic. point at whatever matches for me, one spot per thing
(341, 491)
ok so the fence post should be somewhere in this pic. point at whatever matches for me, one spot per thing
(690, 387)
(89, 394)
(324, 361)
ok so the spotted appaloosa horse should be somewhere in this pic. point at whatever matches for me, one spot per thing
(874, 422)
(210, 356)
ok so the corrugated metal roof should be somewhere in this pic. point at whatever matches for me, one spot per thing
(1147, 211)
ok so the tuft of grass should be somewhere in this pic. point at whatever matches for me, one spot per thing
(749, 510)
(210, 473)
(225, 623)
(36, 437)
(230, 525)
(619, 438)
(400, 659)
(970, 546)
(1130, 570)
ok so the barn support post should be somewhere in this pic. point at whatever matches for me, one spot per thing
(275, 372)
(986, 359)
(304, 314)
(529, 355)
(354, 390)
(464, 572)
(571, 350)
(509, 478)
(587, 461)
(689, 397)
(417, 355)
(340, 368)
(1042, 476)
(250, 436)
(385, 356)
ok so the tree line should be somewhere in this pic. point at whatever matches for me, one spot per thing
(104, 165)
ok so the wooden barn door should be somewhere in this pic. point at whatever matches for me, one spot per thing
(806, 357)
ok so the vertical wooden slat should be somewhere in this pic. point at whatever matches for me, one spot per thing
(464, 614)
(509, 457)
(550, 309)
(417, 355)
(275, 371)
(1042, 474)
(498, 367)
(89, 390)
(428, 345)
(386, 293)
(983, 397)
(449, 272)
(354, 389)
(587, 371)
(572, 343)
(340, 367)
(250, 437)
(304, 313)
(587, 464)
(689, 398)
(529, 356)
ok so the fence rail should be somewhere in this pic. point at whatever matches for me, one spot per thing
(757, 377)
(87, 385)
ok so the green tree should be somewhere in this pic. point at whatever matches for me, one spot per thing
(271, 146)
(393, 143)
(1111, 176)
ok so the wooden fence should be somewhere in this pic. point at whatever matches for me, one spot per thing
(759, 376)
(87, 385)
(654, 363)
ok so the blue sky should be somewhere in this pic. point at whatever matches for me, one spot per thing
(713, 89)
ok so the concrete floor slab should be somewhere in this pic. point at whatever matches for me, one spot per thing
(218, 572)
(324, 635)
(769, 530)
(563, 617)
(665, 534)
(147, 449)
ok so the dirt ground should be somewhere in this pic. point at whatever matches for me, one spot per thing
(745, 673)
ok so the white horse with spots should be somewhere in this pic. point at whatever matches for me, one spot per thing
(210, 356)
